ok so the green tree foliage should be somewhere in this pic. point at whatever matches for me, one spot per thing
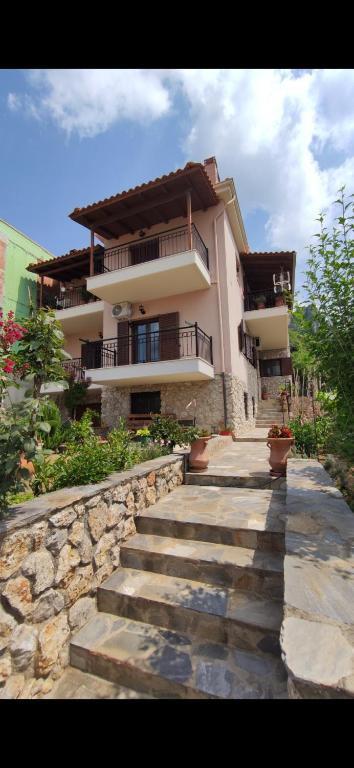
(327, 332)
(41, 349)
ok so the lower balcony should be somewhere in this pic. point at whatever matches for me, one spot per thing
(151, 356)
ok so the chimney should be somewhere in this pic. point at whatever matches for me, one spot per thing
(212, 169)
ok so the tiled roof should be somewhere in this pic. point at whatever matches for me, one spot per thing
(141, 187)
(74, 253)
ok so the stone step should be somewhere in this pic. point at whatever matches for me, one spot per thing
(164, 663)
(75, 684)
(246, 479)
(218, 614)
(242, 517)
(229, 566)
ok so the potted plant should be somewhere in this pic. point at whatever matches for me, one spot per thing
(260, 301)
(280, 440)
(265, 393)
(280, 300)
(198, 439)
(143, 434)
(226, 432)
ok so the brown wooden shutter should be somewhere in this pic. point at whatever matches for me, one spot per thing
(286, 366)
(169, 340)
(123, 343)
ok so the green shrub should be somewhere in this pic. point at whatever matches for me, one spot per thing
(165, 430)
(50, 413)
(76, 433)
(311, 437)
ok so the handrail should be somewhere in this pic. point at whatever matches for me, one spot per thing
(150, 248)
(151, 346)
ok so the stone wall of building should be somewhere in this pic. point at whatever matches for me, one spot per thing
(236, 389)
(209, 410)
(54, 553)
(273, 383)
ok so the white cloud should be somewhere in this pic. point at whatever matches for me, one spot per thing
(287, 138)
(90, 101)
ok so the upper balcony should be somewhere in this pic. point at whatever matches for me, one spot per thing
(266, 313)
(170, 263)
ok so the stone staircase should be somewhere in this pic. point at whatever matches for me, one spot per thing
(194, 610)
(270, 412)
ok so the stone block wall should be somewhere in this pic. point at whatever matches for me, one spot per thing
(273, 383)
(209, 397)
(54, 553)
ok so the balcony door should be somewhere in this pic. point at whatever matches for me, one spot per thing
(146, 341)
(144, 251)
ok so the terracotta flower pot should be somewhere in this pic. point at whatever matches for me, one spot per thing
(279, 301)
(279, 452)
(198, 457)
(225, 432)
(260, 305)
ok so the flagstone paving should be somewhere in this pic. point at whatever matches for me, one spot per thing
(195, 608)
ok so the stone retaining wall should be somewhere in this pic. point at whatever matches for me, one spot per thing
(54, 553)
(317, 637)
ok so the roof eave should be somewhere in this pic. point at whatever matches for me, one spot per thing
(226, 191)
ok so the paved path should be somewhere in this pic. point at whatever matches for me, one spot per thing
(195, 608)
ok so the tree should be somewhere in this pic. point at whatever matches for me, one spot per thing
(41, 349)
(328, 330)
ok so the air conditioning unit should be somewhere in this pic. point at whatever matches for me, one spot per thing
(122, 311)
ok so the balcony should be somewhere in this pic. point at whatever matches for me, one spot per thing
(157, 356)
(168, 264)
(267, 316)
(72, 367)
(78, 310)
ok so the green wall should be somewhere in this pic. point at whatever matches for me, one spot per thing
(20, 251)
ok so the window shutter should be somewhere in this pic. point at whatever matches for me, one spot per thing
(169, 340)
(123, 343)
(286, 366)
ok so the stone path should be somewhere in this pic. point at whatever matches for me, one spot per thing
(195, 608)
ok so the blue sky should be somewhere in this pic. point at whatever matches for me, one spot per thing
(71, 137)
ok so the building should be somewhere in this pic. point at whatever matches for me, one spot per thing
(17, 285)
(171, 308)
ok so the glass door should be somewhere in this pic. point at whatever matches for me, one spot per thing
(147, 342)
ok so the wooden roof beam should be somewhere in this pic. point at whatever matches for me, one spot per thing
(136, 209)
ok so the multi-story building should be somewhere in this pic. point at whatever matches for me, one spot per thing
(171, 312)
(17, 287)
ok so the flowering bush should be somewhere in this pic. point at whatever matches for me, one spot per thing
(276, 431)
(10, 333)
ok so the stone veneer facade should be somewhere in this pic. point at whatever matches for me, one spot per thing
(209, 397)
(273, 383)
(54, 553)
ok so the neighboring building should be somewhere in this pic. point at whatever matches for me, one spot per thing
(166, 309)
(17, 251)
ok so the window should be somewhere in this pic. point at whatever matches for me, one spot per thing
(245, 400)
(270, 367)
(145, 402)
(245, 343)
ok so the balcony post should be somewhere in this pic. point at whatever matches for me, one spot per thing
(189, 219)
(41, 292)
(91, 252)
(196, 340)
(211, 350)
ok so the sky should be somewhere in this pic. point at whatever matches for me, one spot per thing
(71, 137)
